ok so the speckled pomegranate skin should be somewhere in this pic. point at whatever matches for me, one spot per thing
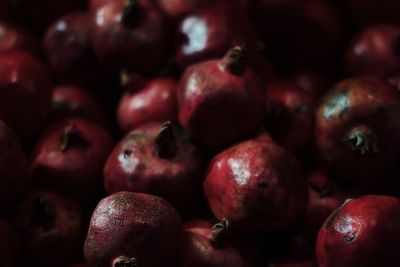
(257, 186)
(362, 232)
(142, 226)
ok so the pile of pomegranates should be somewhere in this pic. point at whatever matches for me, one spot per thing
(199, 133)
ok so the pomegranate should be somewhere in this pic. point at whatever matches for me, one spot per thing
(145, 231)
(8, 245)
(375, 52)
(130, 34)
(243, 182)
(357, 131)
(51, 228)
(156, 101)
(25, 93)
(289, 116)
(313, 82)
(220, 101)
(69, 157)
(14, 38)
(362, 232)
(72, 101)
(13, 168)
(158, 160)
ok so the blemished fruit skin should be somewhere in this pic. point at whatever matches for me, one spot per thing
(132, 227)
(157, 101)
(290, 116)
(14, 173)
(220, 101)
(155, 159)
(201, 249)
(51, 227)
(8, 245)
(357, 131)
(374, 52)
(15, 38)
(69, 158)
(75, 102)
(362, 232)
(130, 34)
(25, 93)
(257, 186)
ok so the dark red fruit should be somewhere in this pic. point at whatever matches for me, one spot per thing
(243, 182)
(8, 245)
(289, 116)
(72, 101)
(313, 82)
(13, 167)
(131, 229)
(324, 197)
(156, 159)
(203, 247)
(209, 33)
(51, 228)
(299, 33)
(68, 49)
(69, 157)
(25, 93)
(358, 131)
(220, 100)
(362, 232)
(292, 263)
(156, 102)
(14, 38)
(130, 34)
(375, 51)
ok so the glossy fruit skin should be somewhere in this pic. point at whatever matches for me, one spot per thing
(74, 165)
(75, 102)
(289, 116)
(374, 52)
(324, 197)
(25, 93)
(68, 49)
(14, 38)
(242, 182)
(157, 101)
(200, 250)
(8, 245)
(359, 103)
(141, 47)
(51, 228)
(151, 231)
(362, 232)
(133, 166)
(217, 107)
(200, 35)
(313, 82)
(317, 36)
(13, 167)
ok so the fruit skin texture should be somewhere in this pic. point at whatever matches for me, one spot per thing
(362, 232)
(313, 82)
(257, 186)
(14, 174)
(139, 42)
(25, 93)
(218, 106)
(151, 231)
(201, 250)
(374, 52)
(69, 157)
(157, 101)
(14, 38)
(357, 130)
(51, 228)
(134, 166)
(8, 245)
(290, 116)
(75, 102)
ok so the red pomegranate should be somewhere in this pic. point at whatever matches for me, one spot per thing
(14, 38)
